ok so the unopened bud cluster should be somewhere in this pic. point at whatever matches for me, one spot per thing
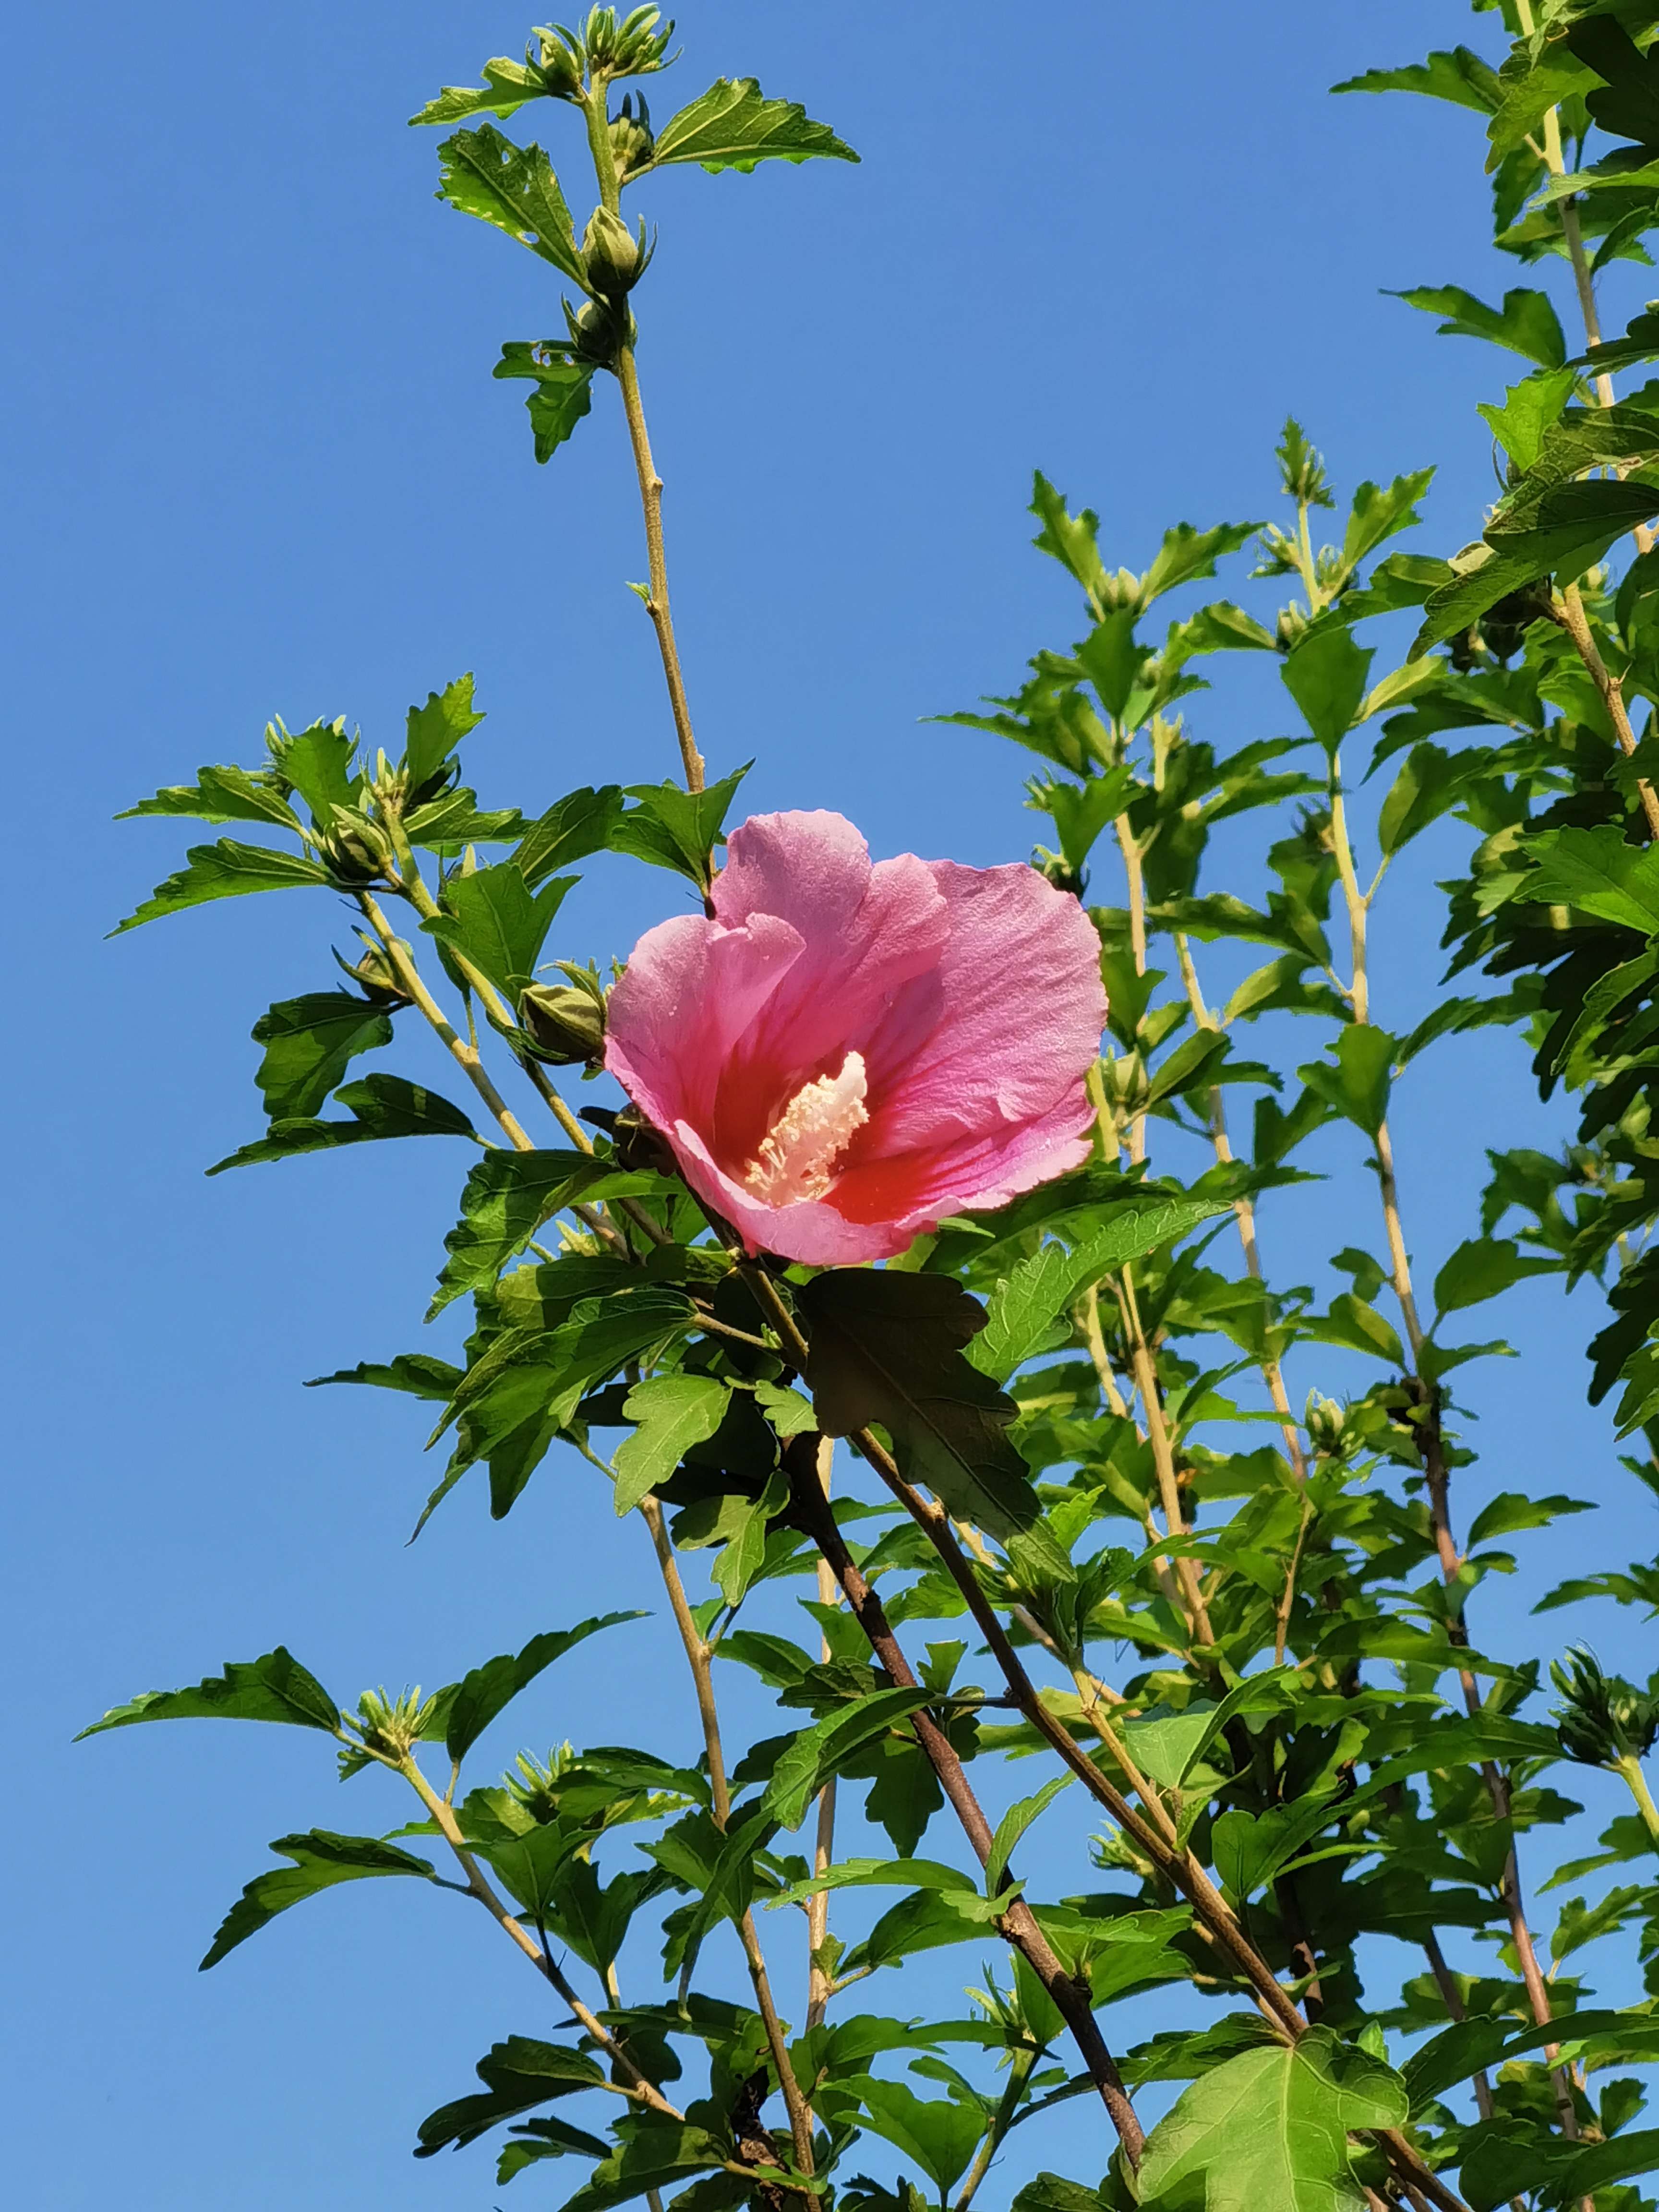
(1602, 1719)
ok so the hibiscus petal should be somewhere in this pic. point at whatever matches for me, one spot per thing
(869, 932)
(690, 990)
(1016, 1006)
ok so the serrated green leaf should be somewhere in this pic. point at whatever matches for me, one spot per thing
(674, 1412)
(507, 85)
(733, 126)
(507, 1197)
(675, 829)
(222, 795)
(309, 1042)
(381, 1107)
(1025, 1306)
(493, 918)
(572, 827)
(518, 2075)
(887, 1347)
(514, 188)
(1596, 871)
(1459, 76)
(1012, 1825)
(1327, 676)
(225, 869)
(433, 732)
(415, 1373)
(564, 388)
(819, 1751)
(274, 1688)
(1480, 1268)
(480, 1696)
(1271, 2128)
(1355, 1081)
(321, 1860)
(1526, 323)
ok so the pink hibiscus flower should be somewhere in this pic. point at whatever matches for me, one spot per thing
(848, 1053)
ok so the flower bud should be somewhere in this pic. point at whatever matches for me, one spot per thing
(599, 330)
(556, 62)
(616, 258)
(631, 137)
(564, 1023)
(1602, 1719)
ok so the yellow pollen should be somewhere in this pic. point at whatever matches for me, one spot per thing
(798, 1154)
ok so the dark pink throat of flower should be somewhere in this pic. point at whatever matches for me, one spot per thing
(807, 1137)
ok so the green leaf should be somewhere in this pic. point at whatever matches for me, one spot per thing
(507, 85)
(317, 762)
(1351, 1321)
(1326, 674)
(1459, 76)
(222, 795)
(572, 827)
(309, 1042)
(507, 1197)
(1480, 1268)
(564, 387)
(433, 732)
(888, 1873)
(1509, 1512)
(1012, 1825)
(416, 1373)
(654, 2157)
(1526, 323)
(274, 1688)
(225, 869)
(1474, 2046)
(1071, 540)
(1023, 1307)
(733, 127)
(493, 918)
(676, 828)
(1472, 588)
(674, 1412)
(1530, 410)
(518, 2075)
(1357, 1085)
(887, 1347)
(1596, 871)
(1381, 511)
(1187, 554)
(1079, 814)
(787, 1412)
(514, 188)
(819, 1751)
(321, 1859)
(449, 824)
(1249, 1848)
(1271, 2128)
(381, 1106)
(939, 2133)
(1429, 783)
(488, 1691)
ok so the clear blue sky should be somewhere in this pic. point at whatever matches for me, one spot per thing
(254, 462)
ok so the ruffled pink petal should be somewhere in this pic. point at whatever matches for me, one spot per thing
(1013, 1013)
(868, 931)
(683, 1003)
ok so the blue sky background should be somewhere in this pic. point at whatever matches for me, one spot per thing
(255, 464)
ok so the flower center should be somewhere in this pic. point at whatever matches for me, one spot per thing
(798, 1152)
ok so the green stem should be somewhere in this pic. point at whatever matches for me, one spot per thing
(1631, 1767)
